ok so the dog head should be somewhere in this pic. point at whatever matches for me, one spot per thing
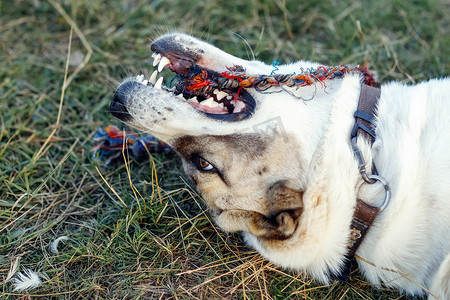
(247, 181)
(240, 145)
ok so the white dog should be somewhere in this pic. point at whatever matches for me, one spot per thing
(270, 150)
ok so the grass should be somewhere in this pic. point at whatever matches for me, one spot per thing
(145, 236)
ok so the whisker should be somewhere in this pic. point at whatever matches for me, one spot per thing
(247, 44)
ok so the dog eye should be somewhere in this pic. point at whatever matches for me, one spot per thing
(203, 165)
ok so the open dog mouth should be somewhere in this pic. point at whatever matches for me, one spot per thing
(219, 91)
(202, 88)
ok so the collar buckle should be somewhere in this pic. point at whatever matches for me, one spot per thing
(361, 162)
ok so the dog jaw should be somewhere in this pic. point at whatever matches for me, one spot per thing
(151, 107)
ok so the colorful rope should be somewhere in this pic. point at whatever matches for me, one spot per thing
(110, 143)
(199, 81)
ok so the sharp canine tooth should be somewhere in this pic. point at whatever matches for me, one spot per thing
(159, 83)
(194, 99)
(221, 95)
(164, 62)
(156, 59)
(152, 79)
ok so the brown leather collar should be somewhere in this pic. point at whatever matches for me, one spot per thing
(364, 214)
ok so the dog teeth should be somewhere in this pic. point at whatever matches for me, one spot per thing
(158, 83)
(156, 59)
(140, 78)
(220, 95)
(145, 82)
(152, 79)
(210, 102)
(193, 99)
(162, 63)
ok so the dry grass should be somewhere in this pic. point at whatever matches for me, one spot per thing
(147, 236)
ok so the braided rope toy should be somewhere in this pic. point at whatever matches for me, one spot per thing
(199, 81)
(111, 141)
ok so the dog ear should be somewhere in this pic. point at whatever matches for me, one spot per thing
(285, 208)
(279, 227)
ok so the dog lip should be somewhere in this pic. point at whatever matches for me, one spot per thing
(181, 61)
(178, 64)
(250, 105)
(182, 66)
(119, 110)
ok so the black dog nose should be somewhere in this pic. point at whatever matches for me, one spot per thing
(119, 102)
(118, 108)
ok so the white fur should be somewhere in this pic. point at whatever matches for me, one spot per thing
(409, 242)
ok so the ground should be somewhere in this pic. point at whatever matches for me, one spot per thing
(135, 229)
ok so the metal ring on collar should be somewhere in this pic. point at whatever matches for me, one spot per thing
(387, 190)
